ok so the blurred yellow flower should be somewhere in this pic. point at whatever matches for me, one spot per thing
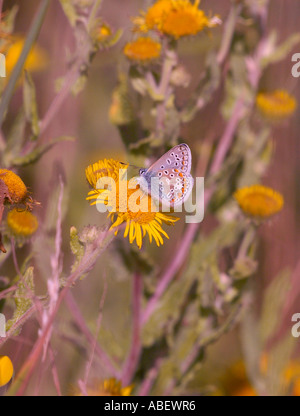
(126, 204)
(109, 387)
(292, 375)
(143, 49)
(276, 105)
(176, 18)
(103, 32)
(21, 223)
(236, 382)
(259, 201)
(16, 187)
(37, 58)
(157, 13)
(6, 370)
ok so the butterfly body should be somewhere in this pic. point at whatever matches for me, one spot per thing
(168, 179)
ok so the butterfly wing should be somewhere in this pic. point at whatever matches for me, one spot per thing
(173, 182)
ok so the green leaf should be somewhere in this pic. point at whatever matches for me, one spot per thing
(167, 311)
(9, 18)
(38, 152)
(135, 260)
(79, 84)
(70, 11)
(280, 51)
(274, 298)
(23, 296)
(30, 105)
(77, 247)
(243, 268)
(277, 361)
(15, 138)
(203, 93)
(121, 109)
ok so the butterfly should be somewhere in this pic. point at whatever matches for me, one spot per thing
(169, 180)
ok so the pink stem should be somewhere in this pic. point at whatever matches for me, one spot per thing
(136, 346)
(94, 344)
(80, 322)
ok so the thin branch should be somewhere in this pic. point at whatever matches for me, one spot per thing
(93, 13)
(17, 325)
(30, 39)
(136, 346)
(148, 381)
(98, 326)
(53, 283)
(81, 324)
(227, 137)
(73, 74)
(170, 61)
(54, 371)
(228, 32)
(4, 293)
(59, 99)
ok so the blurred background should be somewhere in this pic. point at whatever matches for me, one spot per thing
(85, 118)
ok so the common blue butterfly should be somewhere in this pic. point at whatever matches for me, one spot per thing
(168, 179)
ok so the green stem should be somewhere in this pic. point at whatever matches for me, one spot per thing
(247, 241)
(229, 32)
(93, 13)
(31, 38)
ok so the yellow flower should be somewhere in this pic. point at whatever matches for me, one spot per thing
(37, 58)
(176, 18)
(22, 223)
(16, 187)
(157, 13)
(109, 387)
(101, 169)
(127, 205)
(103, 32)
(276, 105)
(259, 201)
(140, 223)
(6, 370)
(143, 49)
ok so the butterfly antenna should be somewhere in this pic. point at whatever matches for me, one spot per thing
(128, 164)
